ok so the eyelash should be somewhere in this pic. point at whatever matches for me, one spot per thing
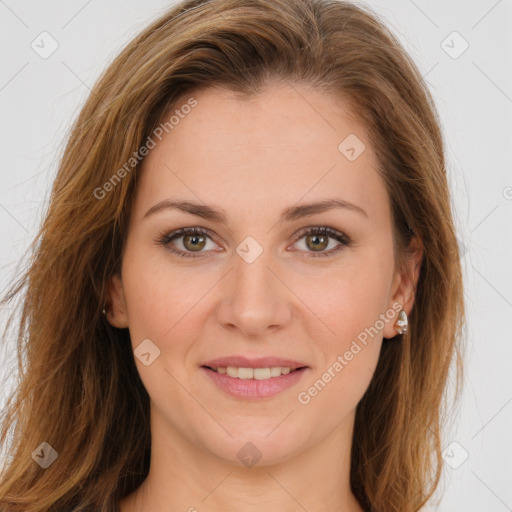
(318, 230)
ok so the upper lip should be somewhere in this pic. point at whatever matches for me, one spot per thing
(260, 362)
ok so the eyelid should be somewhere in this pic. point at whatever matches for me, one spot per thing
(333, 233)
(188, 231)
(167, 238)
(342, 239)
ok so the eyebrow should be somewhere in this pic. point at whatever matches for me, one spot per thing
(219, 215)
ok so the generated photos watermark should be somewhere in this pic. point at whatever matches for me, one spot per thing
(304, 397)
(144, 149)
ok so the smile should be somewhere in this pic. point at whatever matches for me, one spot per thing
(253, 383)
(253, 373)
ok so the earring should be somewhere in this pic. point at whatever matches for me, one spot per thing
(401, 323)
(103, 311)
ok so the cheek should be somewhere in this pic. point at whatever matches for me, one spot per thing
(351, 302)
(161, 297)
(164, 305)
(347, 299)
(353, 308)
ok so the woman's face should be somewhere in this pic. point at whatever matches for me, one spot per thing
(253, 283)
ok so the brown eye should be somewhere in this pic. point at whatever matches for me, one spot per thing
(194, 242)
(317, 242)
(189, 242)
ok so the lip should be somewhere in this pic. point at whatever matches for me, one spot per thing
(261, 362)
(253, 388)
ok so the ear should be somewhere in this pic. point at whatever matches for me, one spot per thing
(404, 285)
(116, 309)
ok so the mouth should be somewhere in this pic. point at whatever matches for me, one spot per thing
(245, 373)
(251, 383)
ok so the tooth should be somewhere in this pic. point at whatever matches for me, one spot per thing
(262, 373)
(232, 371)
(253, 373)
(275, 371)
(245, 373)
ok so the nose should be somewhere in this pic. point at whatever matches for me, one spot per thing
(254, 301)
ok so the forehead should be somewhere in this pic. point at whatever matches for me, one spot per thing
(278, 147)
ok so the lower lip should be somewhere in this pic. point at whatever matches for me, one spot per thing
(252, 388)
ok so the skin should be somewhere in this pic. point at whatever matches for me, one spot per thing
(253, 158)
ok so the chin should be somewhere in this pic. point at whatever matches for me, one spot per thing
(256, 447)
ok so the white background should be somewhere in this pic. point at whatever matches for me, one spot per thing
(39, 98)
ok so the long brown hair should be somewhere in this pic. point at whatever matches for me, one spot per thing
(79, 389)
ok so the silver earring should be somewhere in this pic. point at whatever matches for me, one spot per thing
(401, 323)
(103, 311)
